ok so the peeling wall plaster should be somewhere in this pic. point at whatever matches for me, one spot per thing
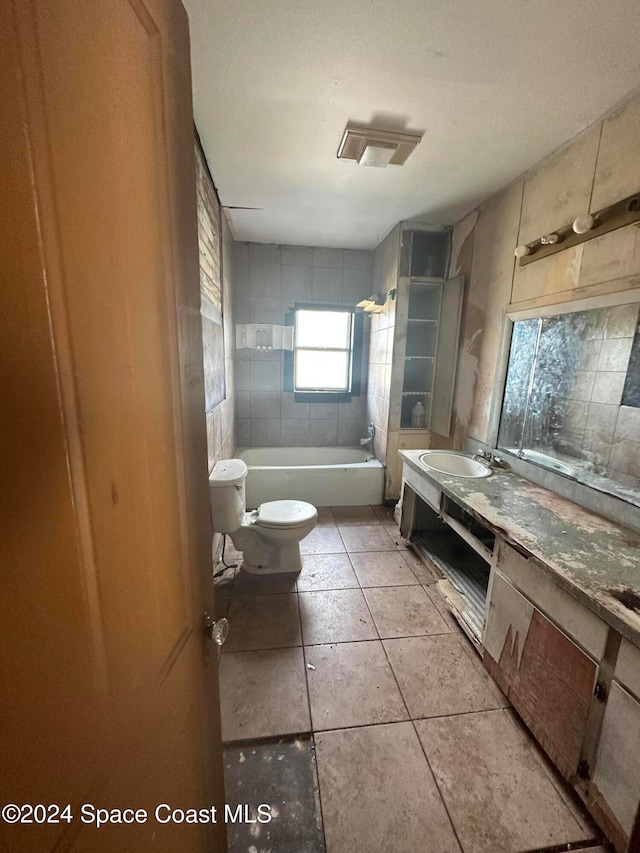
(595, 166)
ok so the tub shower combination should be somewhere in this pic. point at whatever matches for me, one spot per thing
(323, 476)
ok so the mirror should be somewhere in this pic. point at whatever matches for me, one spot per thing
(572, 397)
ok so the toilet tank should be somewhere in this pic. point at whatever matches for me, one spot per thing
(226, 489)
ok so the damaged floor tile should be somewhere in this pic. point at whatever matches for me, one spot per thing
(281, 775)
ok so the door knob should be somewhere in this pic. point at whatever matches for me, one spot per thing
(216, 630)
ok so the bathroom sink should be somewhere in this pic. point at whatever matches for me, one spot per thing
(455, 464)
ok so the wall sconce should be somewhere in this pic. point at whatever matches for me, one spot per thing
(584, 227)
(585, 223)
(549, 239)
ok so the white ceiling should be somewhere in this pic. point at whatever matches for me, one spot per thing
(494, 84)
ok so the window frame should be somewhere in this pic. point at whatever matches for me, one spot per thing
(355, 364)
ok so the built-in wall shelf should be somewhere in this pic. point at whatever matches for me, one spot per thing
(419, 357)
(421, 320)
(416, 393)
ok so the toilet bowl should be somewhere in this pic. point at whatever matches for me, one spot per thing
(269, 537)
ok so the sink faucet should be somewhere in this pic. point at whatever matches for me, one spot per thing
(371, 431)
(489, 459)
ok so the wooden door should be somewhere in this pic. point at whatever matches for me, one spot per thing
(108, 690)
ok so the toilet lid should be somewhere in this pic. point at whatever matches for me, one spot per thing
(285, 513)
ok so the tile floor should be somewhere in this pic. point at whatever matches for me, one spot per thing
(353, 681)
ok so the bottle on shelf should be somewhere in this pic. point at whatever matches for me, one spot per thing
(418, 416)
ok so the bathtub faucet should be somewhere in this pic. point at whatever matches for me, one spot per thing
(371, 431)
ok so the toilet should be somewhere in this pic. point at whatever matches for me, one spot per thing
(269, 537)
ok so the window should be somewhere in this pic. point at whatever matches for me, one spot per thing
(326, 358)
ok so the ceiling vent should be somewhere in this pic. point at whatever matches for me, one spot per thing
(377, 147)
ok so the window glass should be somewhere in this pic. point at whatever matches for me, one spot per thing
(318, 369)
(326, 329)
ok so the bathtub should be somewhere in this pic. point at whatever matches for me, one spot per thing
(324, 476)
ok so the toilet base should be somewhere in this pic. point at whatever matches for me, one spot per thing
(285, 561)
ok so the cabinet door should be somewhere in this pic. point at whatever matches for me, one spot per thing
(548, 679)
(444, 378)
(616, 777)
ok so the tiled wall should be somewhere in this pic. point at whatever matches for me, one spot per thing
(598, 168)
(268, 280)
(215, 261)
(385, 277)
(597, 424)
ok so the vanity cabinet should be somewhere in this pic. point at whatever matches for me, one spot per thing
(547, 678)
(614, 787)
(547, 637)
(574, 681)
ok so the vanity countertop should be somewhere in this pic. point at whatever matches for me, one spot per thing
(594, 559)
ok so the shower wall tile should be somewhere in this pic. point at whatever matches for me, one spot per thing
(294, 432)
(266, 376)
(349, 433)
(264, 309)
(324, 411)
(266, 280)
(328, 258)
(357, 259)
(243, 404)
(354, 410)
(262, 254)
(264, 405)
(296, 284)
(327, 285)
(271, 279)
(243, 432)
(265, 433)
(323, 433)
(300, 256)
(289, 409)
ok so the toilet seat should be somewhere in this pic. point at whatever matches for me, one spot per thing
(285, 514)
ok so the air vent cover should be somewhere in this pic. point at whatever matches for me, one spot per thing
(376, 147)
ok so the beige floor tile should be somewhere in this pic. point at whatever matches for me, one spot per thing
(386, 568)
(263, 622)
(385, 515)
(335, 616)
(498, 795)
(437, 677)
(378, 793)
(323, 540)
(325, 517)
(404, 611)
(354, 515)
(366, 537)
(263, 694)
(326, 571)
(352, 685)
(425, 574)
(443, 608)
(248, 584)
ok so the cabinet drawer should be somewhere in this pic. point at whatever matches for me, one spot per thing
(628, 667)
(583, 626)
(429, 493)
